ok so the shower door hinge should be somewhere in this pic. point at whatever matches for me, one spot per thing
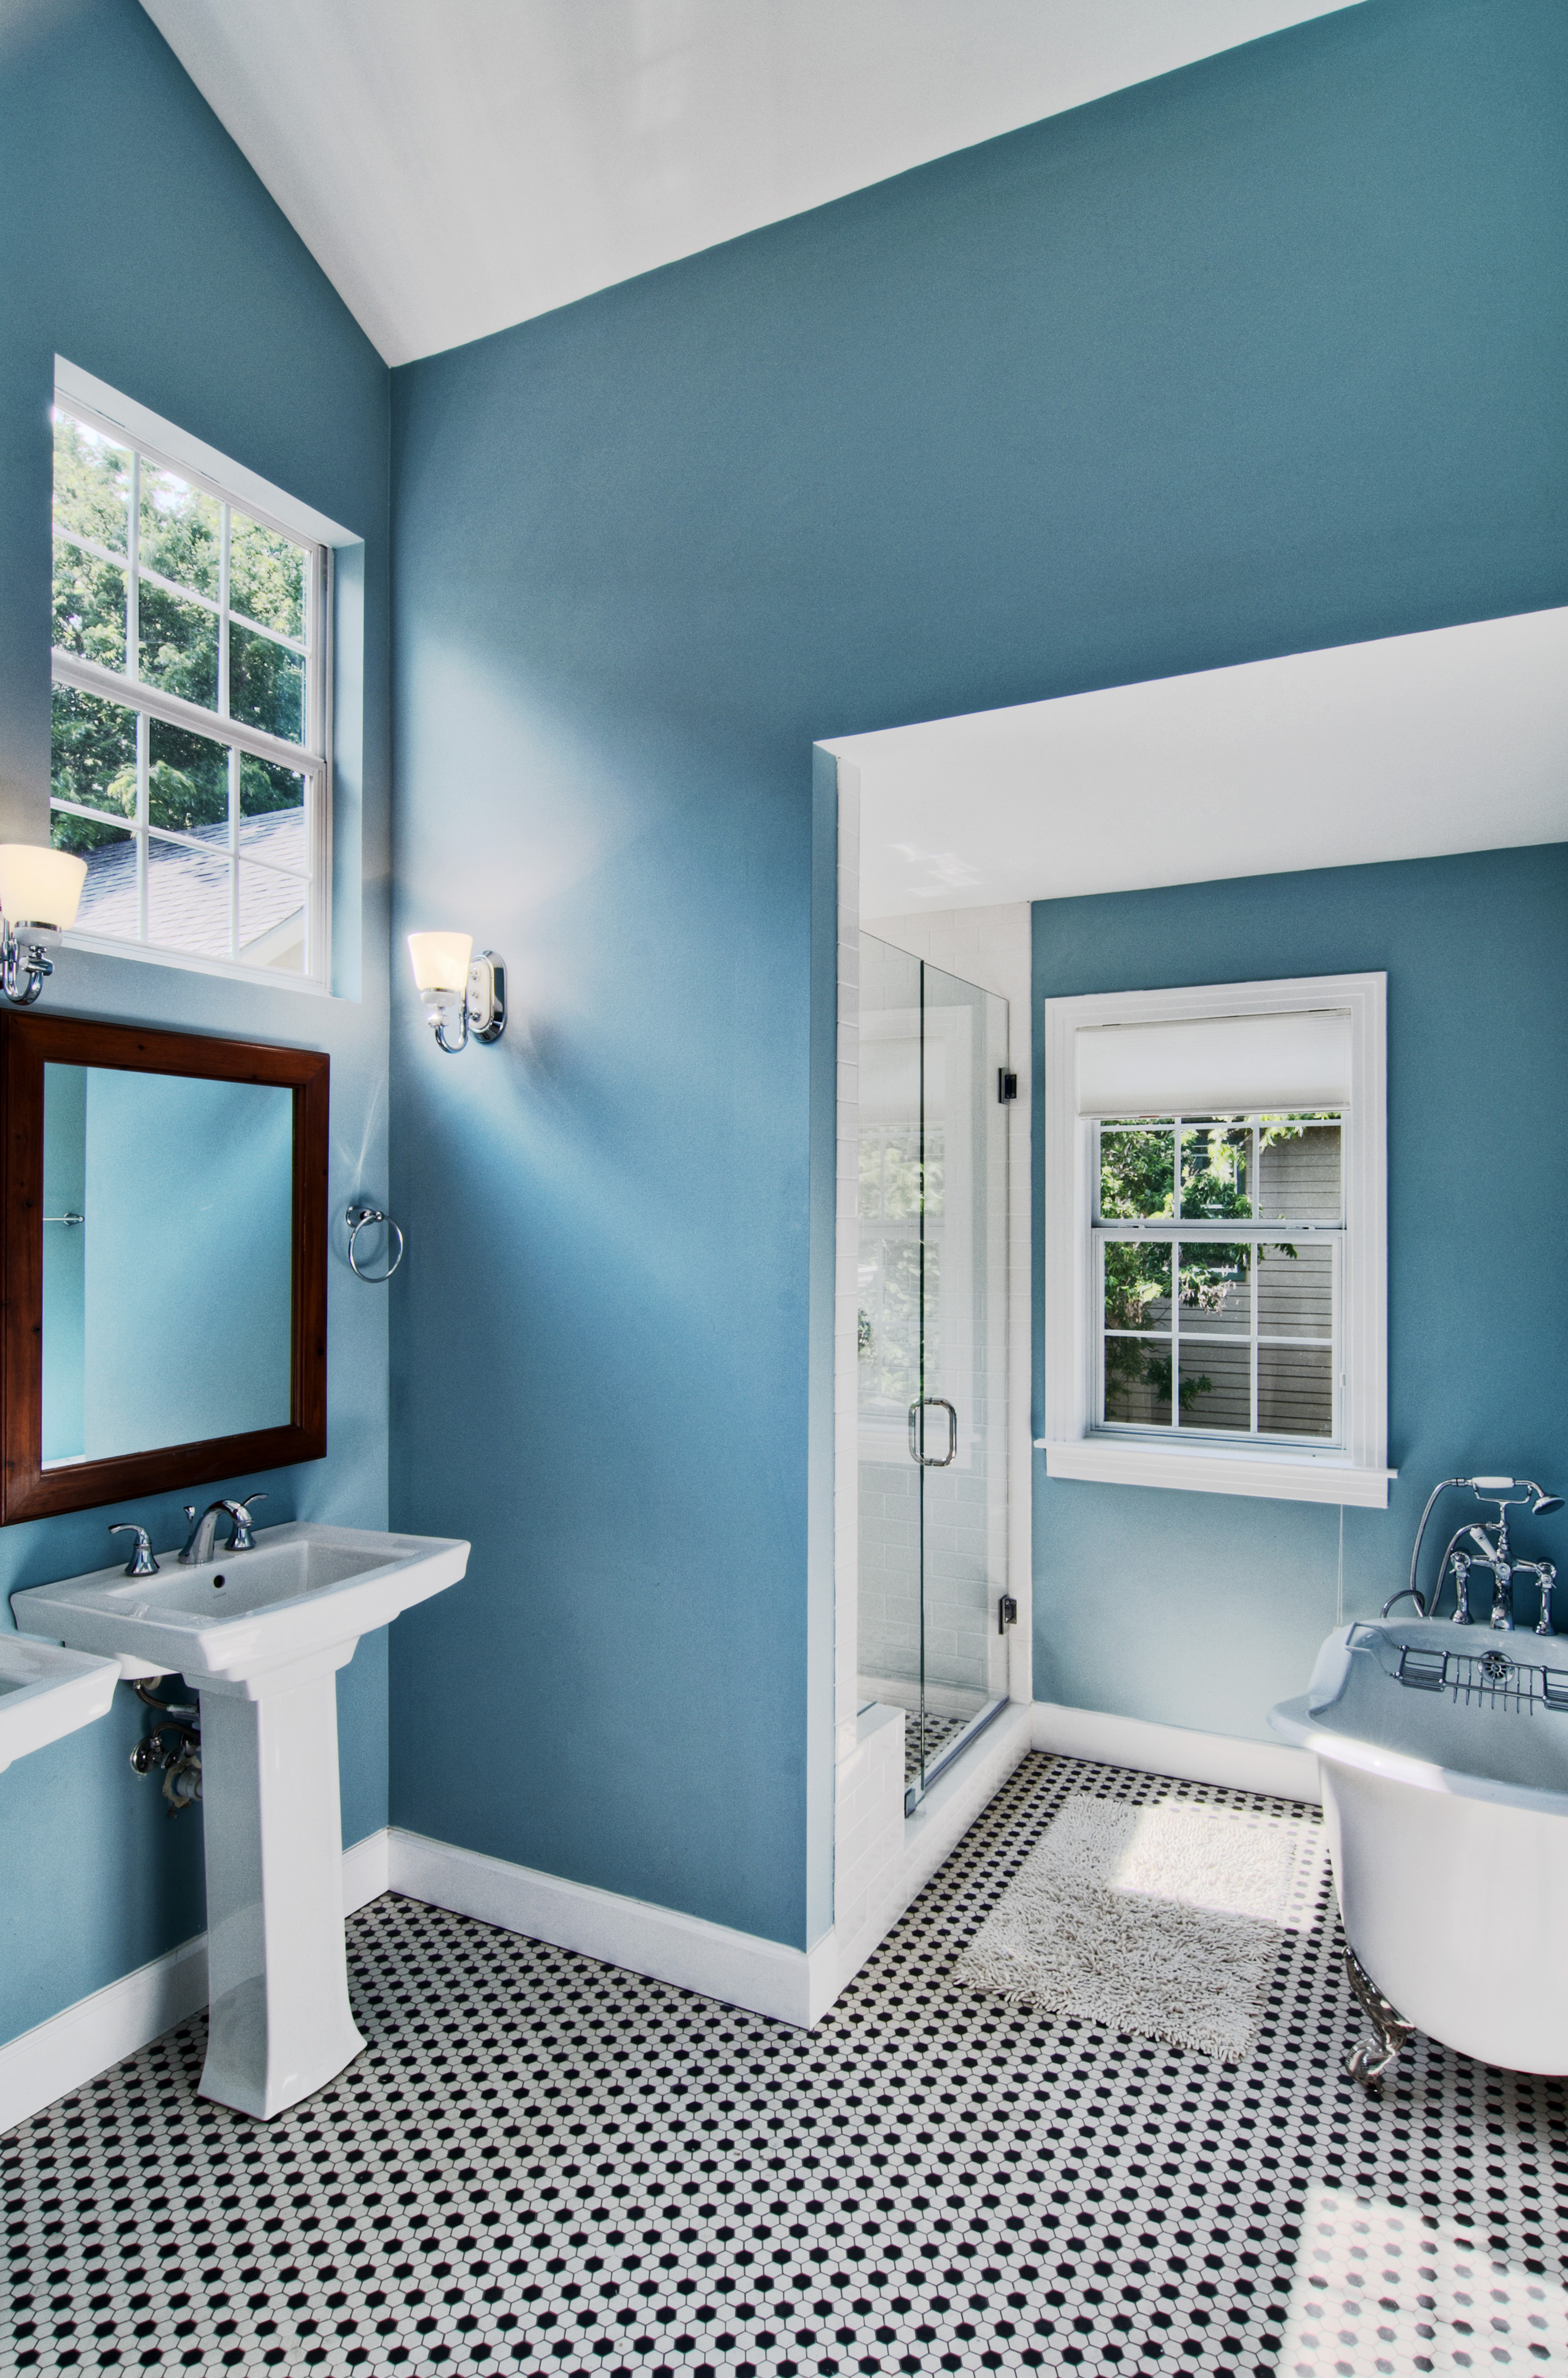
(1007, 1086)
(1007, 1613)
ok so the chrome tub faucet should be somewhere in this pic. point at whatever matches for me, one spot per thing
(1484, 1544)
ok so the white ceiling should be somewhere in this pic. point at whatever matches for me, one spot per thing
(457, 165)
(1406, 748)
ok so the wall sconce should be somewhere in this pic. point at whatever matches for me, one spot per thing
(39, 892)
(453, 983)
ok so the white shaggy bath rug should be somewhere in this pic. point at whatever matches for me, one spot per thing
(1163, 1920)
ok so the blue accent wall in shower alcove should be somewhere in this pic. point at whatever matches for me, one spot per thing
(1266, 355)
(1202, 1610)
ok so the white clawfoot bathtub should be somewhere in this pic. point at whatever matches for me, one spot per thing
(1444, 1754)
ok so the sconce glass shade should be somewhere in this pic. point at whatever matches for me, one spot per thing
(440, 960)
(39, 886)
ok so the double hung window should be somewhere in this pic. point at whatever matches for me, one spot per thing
(189, 744)
(1216, 1236)
(1217, 1248)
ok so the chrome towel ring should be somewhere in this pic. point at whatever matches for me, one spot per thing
(362, 1218)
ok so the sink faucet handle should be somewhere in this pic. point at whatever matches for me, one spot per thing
(141, 1562)
(242, 1540)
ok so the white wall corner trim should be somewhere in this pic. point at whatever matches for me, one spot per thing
(71, 2047)
(1188, 1049)
(1275, 1768)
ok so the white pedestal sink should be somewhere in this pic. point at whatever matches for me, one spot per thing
(259, 1636)
(45, 1692)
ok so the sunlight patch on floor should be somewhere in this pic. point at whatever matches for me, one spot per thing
(1387, 2293)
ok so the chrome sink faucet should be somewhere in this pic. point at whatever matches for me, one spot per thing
(198, 1544)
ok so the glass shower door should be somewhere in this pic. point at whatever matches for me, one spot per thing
(933, 1352)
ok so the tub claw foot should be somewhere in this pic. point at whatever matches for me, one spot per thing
(1368, 2062)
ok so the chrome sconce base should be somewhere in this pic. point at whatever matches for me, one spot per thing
(24, 966)
(39, 893)
(481, 1006)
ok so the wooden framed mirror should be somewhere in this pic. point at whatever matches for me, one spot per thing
(164, 1217)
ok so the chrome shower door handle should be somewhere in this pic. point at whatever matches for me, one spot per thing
(917, 1433)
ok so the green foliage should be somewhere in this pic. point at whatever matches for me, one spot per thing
(1138, 1179)
(92, 484)
(181, 532)
(177, 646)
(266, 578)
(88, 607)
(93, 756)
(1137, 1174)
(1215, 1159)
(93, 745)
(1137, 1276)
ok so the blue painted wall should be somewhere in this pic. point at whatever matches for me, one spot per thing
(1265, 356)
(1202, 1610)
(139, 243)
(1268, 354)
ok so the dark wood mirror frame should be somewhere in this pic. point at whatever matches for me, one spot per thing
(27, 1043)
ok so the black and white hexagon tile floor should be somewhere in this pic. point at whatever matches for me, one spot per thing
(544, 2164)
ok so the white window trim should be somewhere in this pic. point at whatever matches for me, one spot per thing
(1356, 1473)
(119, 417)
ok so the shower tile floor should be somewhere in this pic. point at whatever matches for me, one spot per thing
(925, 1738)
(540, 2164)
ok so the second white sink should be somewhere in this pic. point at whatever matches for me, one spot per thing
(45, 1692)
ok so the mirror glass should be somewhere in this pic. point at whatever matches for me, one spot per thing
(168, 1217)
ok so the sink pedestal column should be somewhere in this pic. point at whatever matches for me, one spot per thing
(277, 1994)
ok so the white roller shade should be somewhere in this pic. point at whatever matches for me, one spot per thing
(1216, 1064)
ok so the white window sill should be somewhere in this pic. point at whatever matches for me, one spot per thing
(192, 962)
(1300, 1478)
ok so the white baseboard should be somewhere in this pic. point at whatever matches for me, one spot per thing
(1276, 1768)
(739, 1968)
(365, 1870)
(83, 2040)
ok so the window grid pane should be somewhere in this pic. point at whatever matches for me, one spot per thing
(174, 859)
(1249, 1342)
(192, 843)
